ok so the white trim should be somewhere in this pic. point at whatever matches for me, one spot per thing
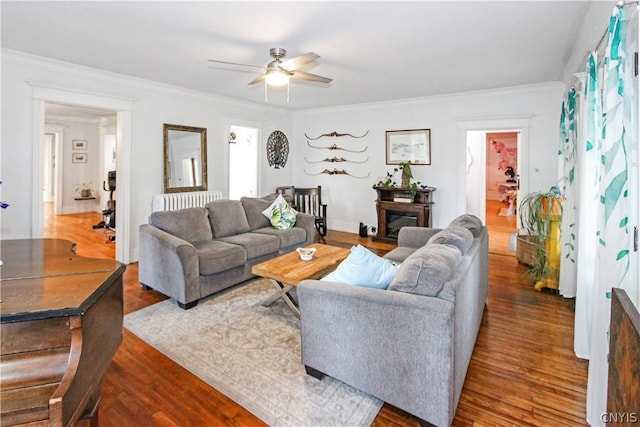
(376, 105)
(37, 204)
(49, 93)
(58, 131)
(117, 78)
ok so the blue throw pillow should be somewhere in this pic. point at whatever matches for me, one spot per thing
(364, 268)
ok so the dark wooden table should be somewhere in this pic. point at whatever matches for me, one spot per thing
(61, 323)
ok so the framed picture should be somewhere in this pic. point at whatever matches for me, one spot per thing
(79, 158)
(79, 144)
(409, 145)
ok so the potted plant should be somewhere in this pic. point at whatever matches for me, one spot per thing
(539, 245)
(84, 190)
(405, 183)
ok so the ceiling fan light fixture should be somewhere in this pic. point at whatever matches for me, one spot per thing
(277, 78)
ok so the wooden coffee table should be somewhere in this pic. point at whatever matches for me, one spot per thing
(286, 271)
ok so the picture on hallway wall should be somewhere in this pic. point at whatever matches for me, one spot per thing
(79, 144)
(79, 158)
(409, 145)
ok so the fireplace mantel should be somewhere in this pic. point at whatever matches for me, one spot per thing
(397, 208)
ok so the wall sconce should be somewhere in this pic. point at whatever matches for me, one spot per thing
(232, 138)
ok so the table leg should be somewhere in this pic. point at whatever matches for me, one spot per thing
(283, 292)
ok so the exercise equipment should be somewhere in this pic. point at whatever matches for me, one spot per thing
(109, 214)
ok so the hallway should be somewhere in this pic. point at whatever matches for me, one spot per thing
(500, 229)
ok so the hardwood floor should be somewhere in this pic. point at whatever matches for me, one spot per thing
(523, 371)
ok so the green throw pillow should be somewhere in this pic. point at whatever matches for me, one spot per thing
(283, 217)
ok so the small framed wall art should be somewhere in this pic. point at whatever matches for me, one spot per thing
(79, 158)
(409, 145)
(79, 144)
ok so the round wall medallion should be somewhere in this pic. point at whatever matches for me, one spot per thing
(277, 149)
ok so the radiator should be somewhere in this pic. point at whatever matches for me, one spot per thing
(192, 199)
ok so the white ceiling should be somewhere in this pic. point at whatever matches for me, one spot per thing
(373, 51)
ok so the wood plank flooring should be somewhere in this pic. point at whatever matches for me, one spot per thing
(523, 371)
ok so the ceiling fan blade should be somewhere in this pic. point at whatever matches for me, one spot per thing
(302, 75)
(258, 79)
(237, 63)
(299, 61)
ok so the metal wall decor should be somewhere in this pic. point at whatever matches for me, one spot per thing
(335, 159)
(277, 149)
(335, 172)
(335, 147)
(337, 134)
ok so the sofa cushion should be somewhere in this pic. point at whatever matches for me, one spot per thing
(255, 244)
(215, 256)
(227, 218)
(190, 224)
(253, 208)
(399, 254)
(290, 237)
(470, 222)
(426, 270)
(455, 235)
(363, 268)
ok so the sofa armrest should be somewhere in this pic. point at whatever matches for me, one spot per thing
(308, 222)
(415, 237)
(394, 345)
(168, 264)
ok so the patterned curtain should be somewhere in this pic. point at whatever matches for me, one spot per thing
(588, 202)
(568, 185)
(613, 221)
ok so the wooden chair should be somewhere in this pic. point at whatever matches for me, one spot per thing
(287, 193)
(309, 200)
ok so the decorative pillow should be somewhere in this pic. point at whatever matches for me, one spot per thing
(283, 217)
(363, 268)
(426, 272)
(455, 235)
(470, 222)
(280, 214)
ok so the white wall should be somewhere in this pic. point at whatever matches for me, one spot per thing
(153, 105)
(352, 200)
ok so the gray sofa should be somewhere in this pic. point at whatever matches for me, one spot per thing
(408, 345)
(191, 253)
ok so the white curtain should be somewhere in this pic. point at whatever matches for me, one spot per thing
(568, 185)
(587, 213)
(613, 235)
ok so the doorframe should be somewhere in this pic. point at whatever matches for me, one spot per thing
(520, 123)
(235, 121)
(58, 132)
(43, 93)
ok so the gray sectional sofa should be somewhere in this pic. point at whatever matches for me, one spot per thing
(191, 253)
(409, 345)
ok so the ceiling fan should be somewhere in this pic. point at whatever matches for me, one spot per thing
(279, 71)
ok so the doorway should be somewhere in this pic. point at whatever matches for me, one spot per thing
(243, 161)
(79, 149)
(42, 94)
(493, 165)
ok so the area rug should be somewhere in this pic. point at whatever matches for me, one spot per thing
(251, 354)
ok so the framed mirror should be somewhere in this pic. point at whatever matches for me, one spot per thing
(185, 158)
